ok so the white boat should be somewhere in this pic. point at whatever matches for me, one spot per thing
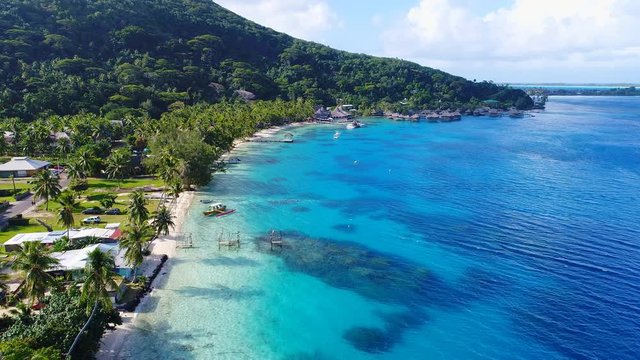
(354, 125)
(336, 136)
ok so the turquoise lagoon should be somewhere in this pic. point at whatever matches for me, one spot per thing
(481, 239)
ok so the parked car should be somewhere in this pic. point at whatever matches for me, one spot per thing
(92, 211)
(114, 211)
(91, 220)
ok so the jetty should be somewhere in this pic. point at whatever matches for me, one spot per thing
(184, 241)
(275, 239)
(229, 241)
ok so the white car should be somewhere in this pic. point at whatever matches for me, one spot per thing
(91, 220)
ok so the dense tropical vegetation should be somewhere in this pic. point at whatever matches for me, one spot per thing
(116, 58)
(34, 263)
(49, 333)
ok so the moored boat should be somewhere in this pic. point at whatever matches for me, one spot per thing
(217, 209)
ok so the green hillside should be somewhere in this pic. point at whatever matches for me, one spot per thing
(119, 57)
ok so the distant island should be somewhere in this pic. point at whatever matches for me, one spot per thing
(579, 89)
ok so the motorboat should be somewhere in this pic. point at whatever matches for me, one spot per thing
(336, 136)
(218, 209)
(354, 125)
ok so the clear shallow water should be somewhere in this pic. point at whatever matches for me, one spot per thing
(480, 239)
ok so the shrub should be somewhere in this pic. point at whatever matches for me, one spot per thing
(21, 195)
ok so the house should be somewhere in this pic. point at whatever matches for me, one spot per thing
(322, 114)
(74, 261)
(245, 95)
(22, 167)
(59, 136)
(9, 136)
(339, 113)
(48, 238)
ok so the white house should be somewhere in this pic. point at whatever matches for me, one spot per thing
(48, 238)
(22, 167)
(74, 261)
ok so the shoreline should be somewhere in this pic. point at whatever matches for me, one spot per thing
(112, 341)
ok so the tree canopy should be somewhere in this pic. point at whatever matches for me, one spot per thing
(124, 57)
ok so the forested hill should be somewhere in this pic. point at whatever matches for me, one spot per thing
(119, 57)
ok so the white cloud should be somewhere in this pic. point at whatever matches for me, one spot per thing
(308, 20)
(564, 33)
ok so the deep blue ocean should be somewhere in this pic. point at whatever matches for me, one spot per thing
(479, 239)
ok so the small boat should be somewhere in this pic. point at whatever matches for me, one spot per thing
(354, 125)
(226, 213)
(336, 136)
(217, 209)
(234, 160)
(206, 201)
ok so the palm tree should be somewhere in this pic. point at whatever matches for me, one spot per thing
(108, 201)
(46, 185)
(118, 164)
(138, 212)
(134, 242)
(174, 189)
(68, 203)
(33, 262)
(162, 221)
(98, 278)
(4, 288)
(87, 161)
(74, 170)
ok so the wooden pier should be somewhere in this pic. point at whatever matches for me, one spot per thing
(184, 240)
(229, 241)
(275, 239)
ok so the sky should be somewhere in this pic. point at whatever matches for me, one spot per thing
(506, 41)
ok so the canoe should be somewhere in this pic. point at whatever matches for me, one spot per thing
(226, 212)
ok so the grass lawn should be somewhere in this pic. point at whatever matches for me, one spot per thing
(105, 185)
(20, 184)
(7, 185)
(121, 203)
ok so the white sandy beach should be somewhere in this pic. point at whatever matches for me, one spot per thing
(113, 341)
(166, 245)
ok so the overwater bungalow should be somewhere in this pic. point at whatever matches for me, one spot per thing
(433, 116)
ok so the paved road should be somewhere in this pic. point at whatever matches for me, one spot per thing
(19, 207)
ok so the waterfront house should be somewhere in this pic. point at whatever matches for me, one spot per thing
(22, 167)
(73, 262)
(340, 114)
(322, 114)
